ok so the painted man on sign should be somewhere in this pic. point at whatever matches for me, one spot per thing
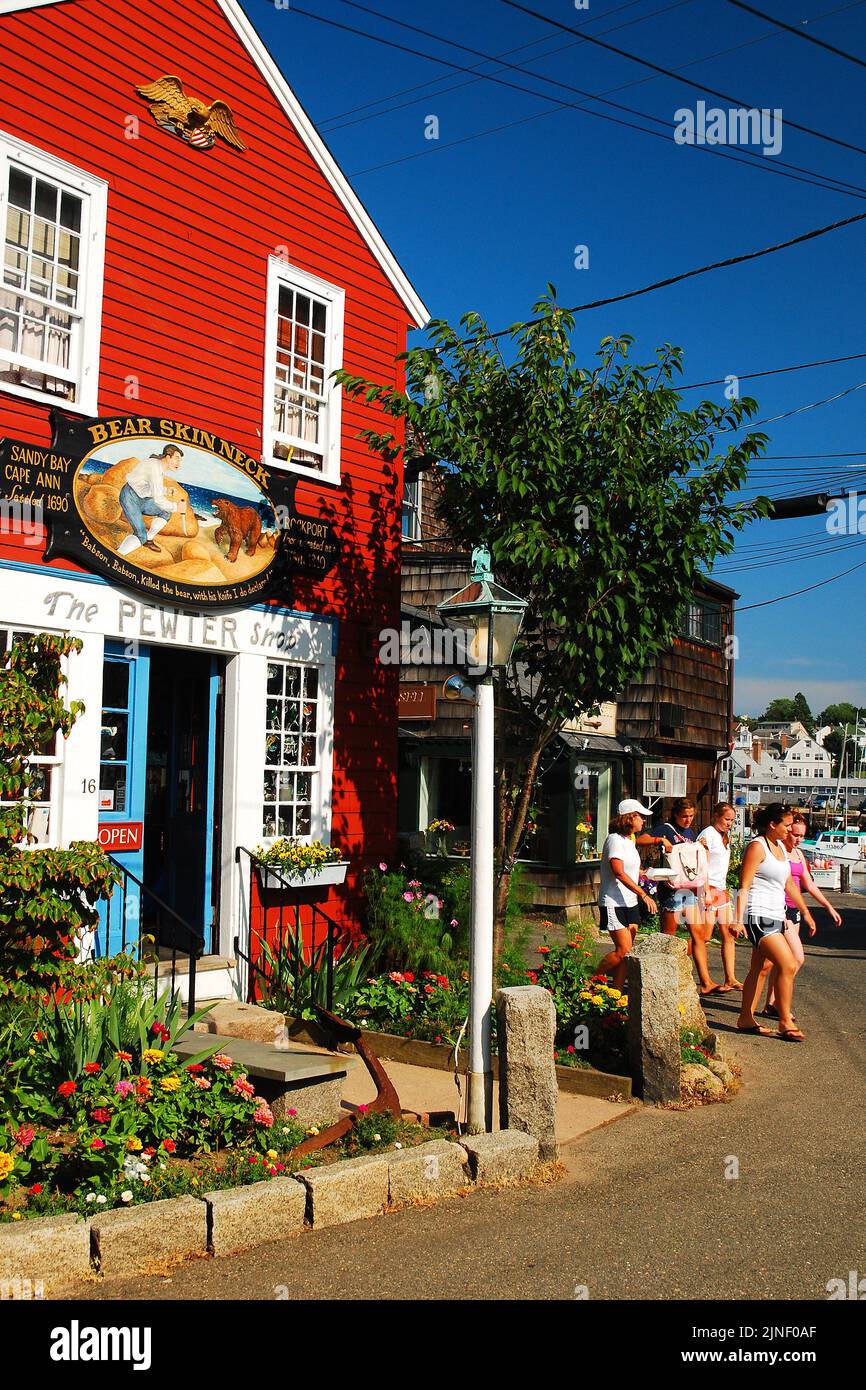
(143, 494)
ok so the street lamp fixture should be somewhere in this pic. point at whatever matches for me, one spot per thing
(490, 614)
(491, 617)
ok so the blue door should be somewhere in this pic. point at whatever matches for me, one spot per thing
(122, 773)
(160, 727)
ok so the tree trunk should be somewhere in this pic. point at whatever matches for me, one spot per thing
(510, 836)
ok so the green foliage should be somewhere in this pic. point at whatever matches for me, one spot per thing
(691, 1047)
(842, 713)
(595, 490)
(371, 1129)
(294, 977)
(47, 896)
(429, 1007)
(406, 924)
(780, 709)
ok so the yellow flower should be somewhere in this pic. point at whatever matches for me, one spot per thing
(16, 1216)
(615, 993)
(7, 1163)
(597, 999)
(194, 1182)
(272, 1155)
(584, 994)
(314, 1129)
(681, 1009)
(133, 1144)
(170, 1083)
(152, 1054)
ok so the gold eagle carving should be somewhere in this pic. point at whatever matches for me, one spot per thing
(193, 120)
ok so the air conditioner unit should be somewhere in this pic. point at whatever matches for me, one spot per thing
(664, 779)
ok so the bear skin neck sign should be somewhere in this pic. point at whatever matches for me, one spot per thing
(167, 509)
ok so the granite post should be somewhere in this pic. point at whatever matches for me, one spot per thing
(525, 1031)
(654, 1023)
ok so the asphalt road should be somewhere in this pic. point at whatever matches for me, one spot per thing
(646, 1210)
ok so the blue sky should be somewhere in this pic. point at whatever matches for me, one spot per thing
(484, 223)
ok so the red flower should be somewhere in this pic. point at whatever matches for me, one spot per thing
(36, 1189)
(159, 1030)
(544, 950)
(38, 1036)
(194, 1067)
(428, 989)
(437, 1038)
(442, 980)
(169, 1145)
(101, 1115)
(66, 1088)
(569, 1048)
(92, 1068)
(97, 1144)
(150, 1151)
(252, 1159)
(408, 976)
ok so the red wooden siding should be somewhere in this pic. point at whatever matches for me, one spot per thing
(188, 239)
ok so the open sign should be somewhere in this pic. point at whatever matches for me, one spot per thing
(120, 836)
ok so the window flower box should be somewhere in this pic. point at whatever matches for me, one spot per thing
(313, 877)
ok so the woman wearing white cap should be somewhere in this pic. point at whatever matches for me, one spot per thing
(620, 890)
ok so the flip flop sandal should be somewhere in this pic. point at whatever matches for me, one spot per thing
(762, 1032)
(792, 1035)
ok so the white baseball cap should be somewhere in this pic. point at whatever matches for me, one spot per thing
(630, 805)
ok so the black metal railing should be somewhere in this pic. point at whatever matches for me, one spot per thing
(158, 923)
(308, 922)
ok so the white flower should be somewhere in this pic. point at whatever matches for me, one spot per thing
(100, 1198)
(126, 1196)
(161, 1167)
(377, 1138)
(146, 1177)
(398, 1146)
(91, 1197)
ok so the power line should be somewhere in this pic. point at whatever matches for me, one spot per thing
(798, 33)
(699, 270)
(797, 592)
(775, 371)
(798, 410)
(742, 156)
(670, 72)
(506, 53)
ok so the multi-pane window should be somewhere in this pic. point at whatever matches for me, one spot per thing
(292, 719)
(50, 279)
(44, 793)
(411, 522)
(114, 735)
(303, 349)
(701, 621)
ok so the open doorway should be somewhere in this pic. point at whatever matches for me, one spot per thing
(182, 794)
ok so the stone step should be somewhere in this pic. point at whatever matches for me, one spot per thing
(204, 964)
(288, 1065)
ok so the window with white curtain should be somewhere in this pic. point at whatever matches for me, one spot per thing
(303, 347)
(52, 218)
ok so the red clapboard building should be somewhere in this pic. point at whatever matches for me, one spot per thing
(182, 485)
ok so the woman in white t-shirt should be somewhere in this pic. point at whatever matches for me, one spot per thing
(718, 909)
(620, 892)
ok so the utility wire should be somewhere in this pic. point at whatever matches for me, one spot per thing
(774, 371)
(670, 72)
(497, 57)
(698, 270)
(798, 33)
(779, 167)
(745, 608)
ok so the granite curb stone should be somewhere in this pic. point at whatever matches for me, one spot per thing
(435, 1169)
(239, 1217)
(129, 1239)
(498, 1157)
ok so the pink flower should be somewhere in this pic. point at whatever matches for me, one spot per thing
(395, 976)
(291, 1112)
(252, 1159)
(243, 1087)
(264, 1115)
(362, 1109)
(123, 1088)
(383, 867)
(202, 1083)
(25, 1136)
(97, 1144)
(220, 1060)
(454, 921)
(408, 897)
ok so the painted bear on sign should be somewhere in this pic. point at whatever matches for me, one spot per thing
(237, 524)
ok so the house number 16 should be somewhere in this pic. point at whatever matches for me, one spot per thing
(88, 784)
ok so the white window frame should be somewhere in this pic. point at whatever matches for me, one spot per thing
(414, 508)
(320, 772)
(281, 272)
(54, 761)
(94, 194)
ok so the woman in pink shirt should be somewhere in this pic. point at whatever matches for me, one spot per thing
(806, 884)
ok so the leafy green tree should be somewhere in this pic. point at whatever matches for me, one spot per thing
(778, 711)
(600, 496)
(842, 713)
(46, 895)
(803, 712)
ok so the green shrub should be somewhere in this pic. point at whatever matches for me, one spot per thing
(294, 978)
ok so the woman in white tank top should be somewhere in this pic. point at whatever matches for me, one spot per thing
(765, 877)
